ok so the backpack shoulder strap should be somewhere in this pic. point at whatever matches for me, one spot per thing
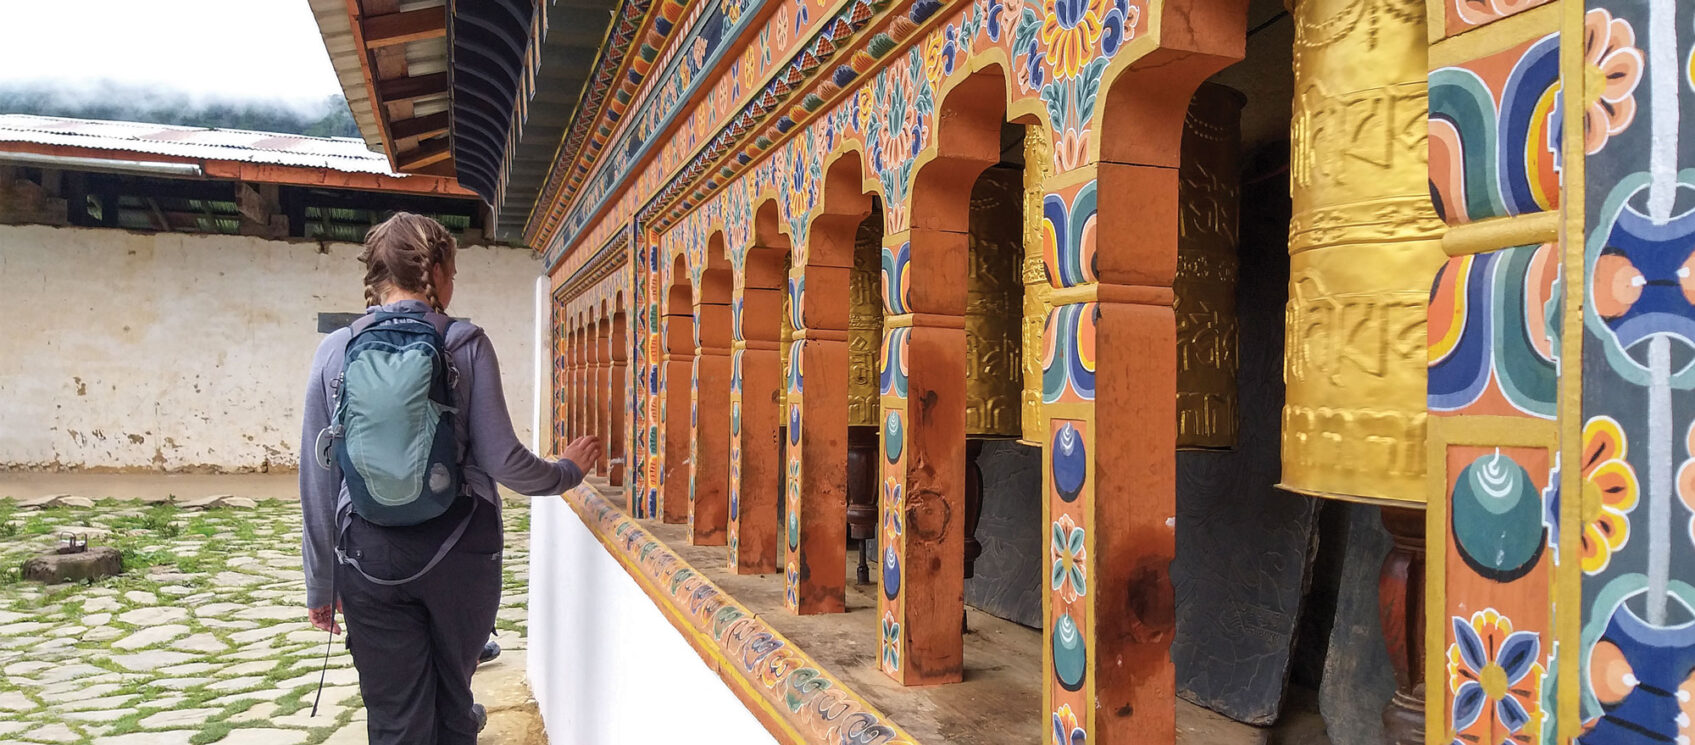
(441, 322)
(364, 322)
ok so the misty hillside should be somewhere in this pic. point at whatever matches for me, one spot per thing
(326, 118)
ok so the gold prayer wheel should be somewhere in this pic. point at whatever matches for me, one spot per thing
(1038, 165)
(1364, 243)
(994, 306)
(865, 322)
(1209, 201)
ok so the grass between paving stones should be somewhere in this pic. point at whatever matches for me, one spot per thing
(176, 559)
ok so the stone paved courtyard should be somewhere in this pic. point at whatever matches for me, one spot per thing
(203, 639)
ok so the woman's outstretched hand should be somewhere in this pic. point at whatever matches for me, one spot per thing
(324, 618)
(583, 451)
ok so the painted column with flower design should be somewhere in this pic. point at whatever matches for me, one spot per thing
(1635, 640)
(1518, 354)
(756, 467)
(594, 382)
(1109, 351)
(922, 384)
(676, 384)
(815, 482)
(709, 418)
(618, 353)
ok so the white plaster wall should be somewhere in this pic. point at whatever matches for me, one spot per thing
(132, 351)
(604, 663)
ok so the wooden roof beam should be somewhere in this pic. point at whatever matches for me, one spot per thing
(426, 126)
(412, 88)
(407, 26)
(434, 151)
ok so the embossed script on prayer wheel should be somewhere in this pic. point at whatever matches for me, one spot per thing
(1209, 200)
(994, 306)
(1364, 243)
(865, 322)
(1038, 165)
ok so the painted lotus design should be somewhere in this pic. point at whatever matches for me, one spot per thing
(1070, 576)
(891, 643)
(1612, 67)
(1495, 677)
(1610, 492)
(1070, 31)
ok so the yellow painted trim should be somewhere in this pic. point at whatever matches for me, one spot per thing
(1499, 36)
(1502, 232)
(1568, 577)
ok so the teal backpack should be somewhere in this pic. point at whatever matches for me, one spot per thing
(393, 428)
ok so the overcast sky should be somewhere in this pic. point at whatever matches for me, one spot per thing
(225, 48)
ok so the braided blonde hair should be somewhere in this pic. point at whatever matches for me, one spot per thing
(400, 254)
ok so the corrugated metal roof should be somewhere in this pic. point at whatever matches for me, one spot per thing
(345, 154)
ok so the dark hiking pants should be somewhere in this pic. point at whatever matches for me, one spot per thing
(416, 645)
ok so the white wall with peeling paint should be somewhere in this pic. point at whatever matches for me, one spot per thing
(175, 352)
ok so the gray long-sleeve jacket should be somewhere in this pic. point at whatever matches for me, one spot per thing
(492, 454)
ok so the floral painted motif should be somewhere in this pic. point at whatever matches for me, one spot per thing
(891, 643)
(1070, 30)
(1612, 67)
(892, 506)
(1686, 478)
(1066, 729)
(1069, 551)
(791, 586)
(1495, 677)
(1610, 490)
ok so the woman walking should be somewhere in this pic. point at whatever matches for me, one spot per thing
(402, 530)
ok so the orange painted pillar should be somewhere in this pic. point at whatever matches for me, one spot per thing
(756, 470)
(815, 488)
(573, 385)
(619, 354)
(674, 420)
(922, 537)
(709, 449)
(1110, 391)
(557, 379)
(593, 393)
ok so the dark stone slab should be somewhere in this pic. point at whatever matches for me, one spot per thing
(1358, 677)
(1244, 548)
(97, 562)
(1008, 581)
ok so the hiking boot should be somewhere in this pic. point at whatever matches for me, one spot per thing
(481, 715)
(490, 651)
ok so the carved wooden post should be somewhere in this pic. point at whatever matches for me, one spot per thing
(561, 359)
(576, 381)
(756, 465)
(922, 542)
(617, 342)
(594, 385)
(674, 421)
(1110, 392)
(709, 459)
(815, 491)
(1401, 607)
